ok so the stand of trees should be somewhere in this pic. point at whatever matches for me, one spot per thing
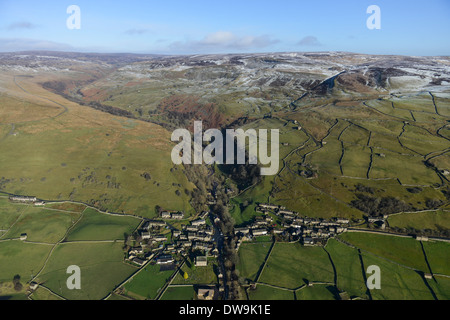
(375, 206)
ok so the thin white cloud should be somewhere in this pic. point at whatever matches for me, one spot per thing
(136, 31)
(21, 25)
(223, 40)
(12, 45)
(309, 41)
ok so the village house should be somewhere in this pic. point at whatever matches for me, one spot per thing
(170, 247)
(201, 261)
(374, 219)
(176, 233)
(156, 223)
(138, 261)
(268, 206)
(33, 285)
(160, 238)
(206, 293)
(164, 259)
(135, 251)
(209, 230)
(198, 222)
(184, 243)
(308, 241)
(297, 223)
(177, 215)
(259, 232)
(204, 214)
(241, 230)
(145, 235)
(165, 215)
(191, 228)
(23, 199)
(342, 221)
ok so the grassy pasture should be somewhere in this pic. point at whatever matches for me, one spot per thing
(385, 107)
(43, 294)
(25, 259)
(198, 275)
(263, 292)
(355, 135)
(179, 293)
(397, 283)
(42, 225)
(8, 292)
(15, 109)
(356, 160)
(406, 251)
(441, 287)
(290, 265)
(9, 213)
(91, 156)
(438, 256)
(299, 194)
(258, 193)
(348, 268)
(317, 292)
(442, 162)
(251, 259)
(434, 220)
(148, 282)
(443, 105)
(98, 226)
(422, 141)
(101, 265)
(393, 166)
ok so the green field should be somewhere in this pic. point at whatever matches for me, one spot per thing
(98, 226)
(43, 294)
(263, 292)
(316, 292)
(434, 220)
(179, 293)
(291, 265)
(101, 264)
(147, 283)
(42, 225)
(198, 275)
(251, 259)
(405, 251)
(9, 213)
(24, 259)
(348, 268)
(438, 256)
(397, 282)
(8, 292)
(94, 157)
(440, 287)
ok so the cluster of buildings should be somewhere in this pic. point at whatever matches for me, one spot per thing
(27, 199)
(172, 215)
(309, 231)
(155, 242)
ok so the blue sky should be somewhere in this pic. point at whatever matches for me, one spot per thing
(198, 26)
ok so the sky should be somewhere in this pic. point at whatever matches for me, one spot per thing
(417, 28)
